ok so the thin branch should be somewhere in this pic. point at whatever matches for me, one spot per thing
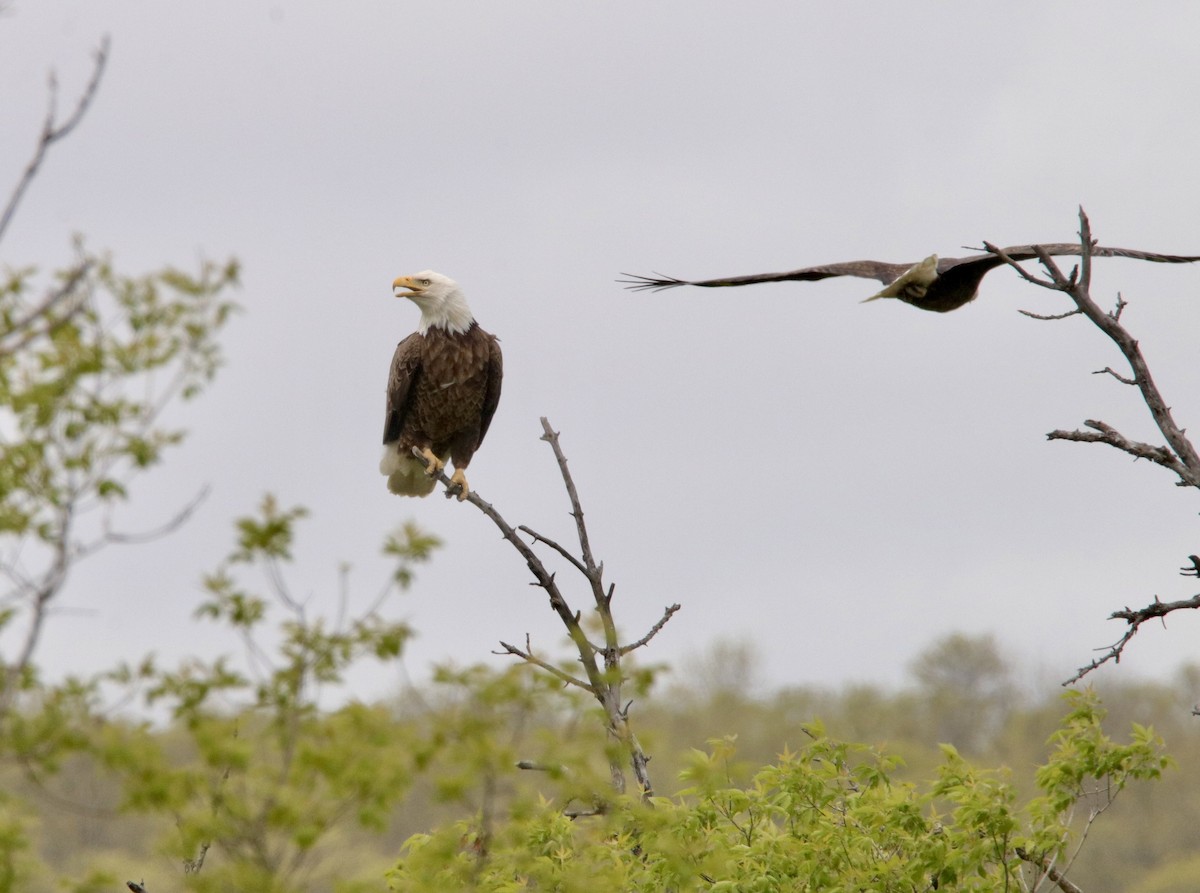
(1025, 274)
(537, 537)
(551, 436)
(26, 329)
(532, 766)
(530, 657)
(1050, 317)
(170, 526)
(1109, 370)
(52, 131)
(654, 630)
(1135, 618)
(1055, 876)
(1106, 433)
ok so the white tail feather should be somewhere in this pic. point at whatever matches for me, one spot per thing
(405, 474)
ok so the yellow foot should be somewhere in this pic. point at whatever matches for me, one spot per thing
(461, 480)
(433, 464)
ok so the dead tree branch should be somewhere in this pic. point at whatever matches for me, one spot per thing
(1135, 618)
(603, 676)
(1178, 455)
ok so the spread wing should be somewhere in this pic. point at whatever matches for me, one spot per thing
(864, 269)
(491, 396)
(406, 367)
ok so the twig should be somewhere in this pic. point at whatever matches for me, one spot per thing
(170, 526)
(1050, 317)
(1113, 372)
(532, 766)
(654, 630)
(551, 436)
(1108, 434)
(529, 657)
(52, 131)
(1135, 618)
(537, 537)
(1042, 864)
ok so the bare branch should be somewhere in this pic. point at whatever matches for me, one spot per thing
(170, 526)
(537, 537)
(1186, 462)
(1042, 864)
(1135, 618)
(1105, 433)
(529, 657)
(52, 131)
(662, 621)
(551, 437)
(1050, 317)
(1109, 370)
(1027, 276)
(604, 684)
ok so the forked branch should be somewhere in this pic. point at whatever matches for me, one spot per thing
(1179, 455)
(1135, 618)
(603, 676)
(54, 130)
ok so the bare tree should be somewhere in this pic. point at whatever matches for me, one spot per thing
(601, 663)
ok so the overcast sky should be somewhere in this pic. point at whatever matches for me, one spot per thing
(837, 483)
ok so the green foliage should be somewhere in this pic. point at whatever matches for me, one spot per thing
(86, 372)
(266, 774)
(84, 378)
(89, 360)
(828, 817)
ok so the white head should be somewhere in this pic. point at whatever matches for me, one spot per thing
(440, 299)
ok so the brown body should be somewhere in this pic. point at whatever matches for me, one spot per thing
(442, 393)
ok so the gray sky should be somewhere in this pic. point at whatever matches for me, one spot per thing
(837, 483)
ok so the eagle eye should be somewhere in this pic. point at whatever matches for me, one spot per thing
(424, 281)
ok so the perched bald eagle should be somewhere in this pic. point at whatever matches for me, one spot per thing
(937, 285)
(442, 389)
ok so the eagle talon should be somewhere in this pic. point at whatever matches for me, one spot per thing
(433, 465)
(458, 479)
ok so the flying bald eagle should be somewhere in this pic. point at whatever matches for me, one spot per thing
(442, 389)
(937, 285)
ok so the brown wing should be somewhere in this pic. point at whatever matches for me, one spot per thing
(863, 269)
(406, 368)
(495, 375)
